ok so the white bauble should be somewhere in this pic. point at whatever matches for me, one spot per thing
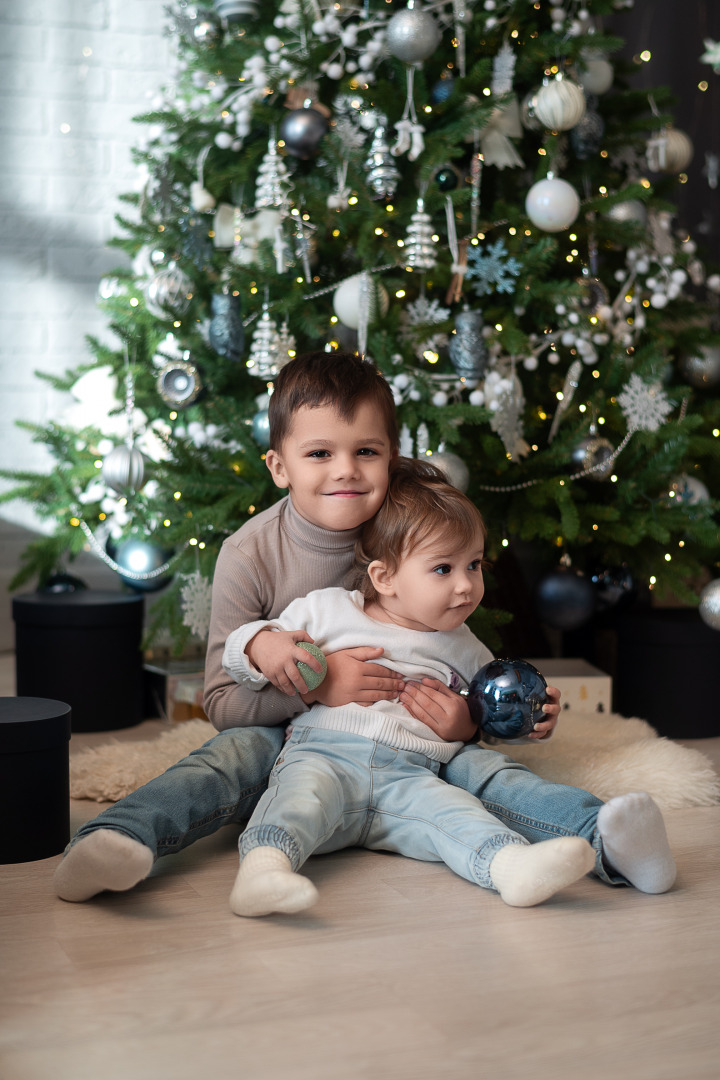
(346, 301)
(709, 607)
(596, 74)
(412, 35)
(560, 104)
(454, 468)
(552, 204)
(629, 210)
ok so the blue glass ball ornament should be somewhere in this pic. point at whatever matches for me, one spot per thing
(506, 698)
(261, 428)
(136, 557)
(565, 599)
(62, 582)
(442, 89)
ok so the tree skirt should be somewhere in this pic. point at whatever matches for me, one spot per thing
(607, 755)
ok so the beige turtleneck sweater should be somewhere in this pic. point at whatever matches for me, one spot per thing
(271, 560)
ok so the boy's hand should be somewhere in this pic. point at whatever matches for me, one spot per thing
(545, 728)
(439, 707)
(275, 654)
(351, 678)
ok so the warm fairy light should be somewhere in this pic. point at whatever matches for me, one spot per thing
(702, 86)
(505, 542)
(582, 408)
(668, 557)
(336, 232)
(389, 208)
(487, 91)
(645, 55)
(352, 200)
(201, 545)
(512, 230)
(542, 151)
(101, 517)
(400, 293)
(177, 495)
(74, 521)
(560, 396)
(134, 301)
(716, 432)
(378, 232)
(653, 580)
(613, 478)
(401, 243)
(167, 523)
(428, 108)
(602, 189)
(645, 182)
(498, 327)
(681, 543)
(595, 528)
(98, 464)
(601, 419)
(192, 542)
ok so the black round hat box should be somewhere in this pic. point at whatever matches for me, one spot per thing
(82, 647)
(34, 778)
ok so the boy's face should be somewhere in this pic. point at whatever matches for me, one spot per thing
(335, 470)
(433, 588)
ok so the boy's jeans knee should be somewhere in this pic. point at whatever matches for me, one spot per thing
(217, 784)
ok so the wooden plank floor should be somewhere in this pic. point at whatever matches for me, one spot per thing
(401, 971)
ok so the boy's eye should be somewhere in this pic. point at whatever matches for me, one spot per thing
(318, 454)
(367, 451)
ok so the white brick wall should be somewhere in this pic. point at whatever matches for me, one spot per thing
(91, 64)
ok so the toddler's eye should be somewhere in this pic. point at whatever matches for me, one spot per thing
(445, 568)
(476, 564)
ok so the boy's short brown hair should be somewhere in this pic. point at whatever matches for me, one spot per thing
(340, 379)
(420, 503)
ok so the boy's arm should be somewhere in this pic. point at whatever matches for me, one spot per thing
(237, 599)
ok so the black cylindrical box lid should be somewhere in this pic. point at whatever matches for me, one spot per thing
(86, 607)
(33, 723)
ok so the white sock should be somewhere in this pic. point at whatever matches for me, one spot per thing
(525, 875)
(104, 859)
(266, 883)
(635, 842)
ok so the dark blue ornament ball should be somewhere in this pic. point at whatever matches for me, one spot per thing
(506, 698)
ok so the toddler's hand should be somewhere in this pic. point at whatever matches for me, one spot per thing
(351, 677)
(545, 728)
(436, 705)
(276, 655)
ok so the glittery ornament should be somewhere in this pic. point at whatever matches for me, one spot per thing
(467, 348)
(226, 334)
(196, 602)
(179, 383)
(709, 606)
(628, 210)
(686, 490)
(348, 300)
(302, 131)
(412, 35)
(419, 249)
(383, 174)
(123, 469)
(587, 135)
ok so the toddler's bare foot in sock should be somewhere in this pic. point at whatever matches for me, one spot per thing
(526, 875)
(266, 883)
(635, 842)
(104, 859)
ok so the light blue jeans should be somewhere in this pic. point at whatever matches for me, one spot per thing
(333, 789)
(221, 782)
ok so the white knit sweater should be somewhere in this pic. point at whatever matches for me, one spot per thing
(335, 619)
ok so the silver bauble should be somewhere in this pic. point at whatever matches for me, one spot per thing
(467, 348)
(454, 468)
(179, 383)
(169, 293)
(261, 428)
(586, 137)
(527, 112)
(237, 10)
(594, 451)
(594, 294)
(709, 606)
(412, 35)
(302, 131)
(123, 469)
(703, 369)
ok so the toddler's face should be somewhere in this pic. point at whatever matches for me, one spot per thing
(335, 470)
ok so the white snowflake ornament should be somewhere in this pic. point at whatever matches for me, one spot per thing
(196, 597)
(644, 405)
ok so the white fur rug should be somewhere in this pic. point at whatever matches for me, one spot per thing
(607, 755)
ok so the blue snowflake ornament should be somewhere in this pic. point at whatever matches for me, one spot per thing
(493, 268)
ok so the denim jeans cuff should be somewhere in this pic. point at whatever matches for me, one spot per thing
(485, 855)
(270, 836)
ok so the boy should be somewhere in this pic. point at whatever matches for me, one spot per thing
(343, 403)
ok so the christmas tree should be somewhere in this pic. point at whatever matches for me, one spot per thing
(473, 196)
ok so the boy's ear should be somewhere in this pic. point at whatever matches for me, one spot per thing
(382, 578)
(277, 469)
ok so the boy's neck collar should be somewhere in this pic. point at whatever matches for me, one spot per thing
(315, 536)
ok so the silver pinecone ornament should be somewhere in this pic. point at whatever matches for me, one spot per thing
(383, 174)
(419, 249)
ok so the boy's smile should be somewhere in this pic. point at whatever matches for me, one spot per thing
(336, 470)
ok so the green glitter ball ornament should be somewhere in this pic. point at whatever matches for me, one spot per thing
(312, 678)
